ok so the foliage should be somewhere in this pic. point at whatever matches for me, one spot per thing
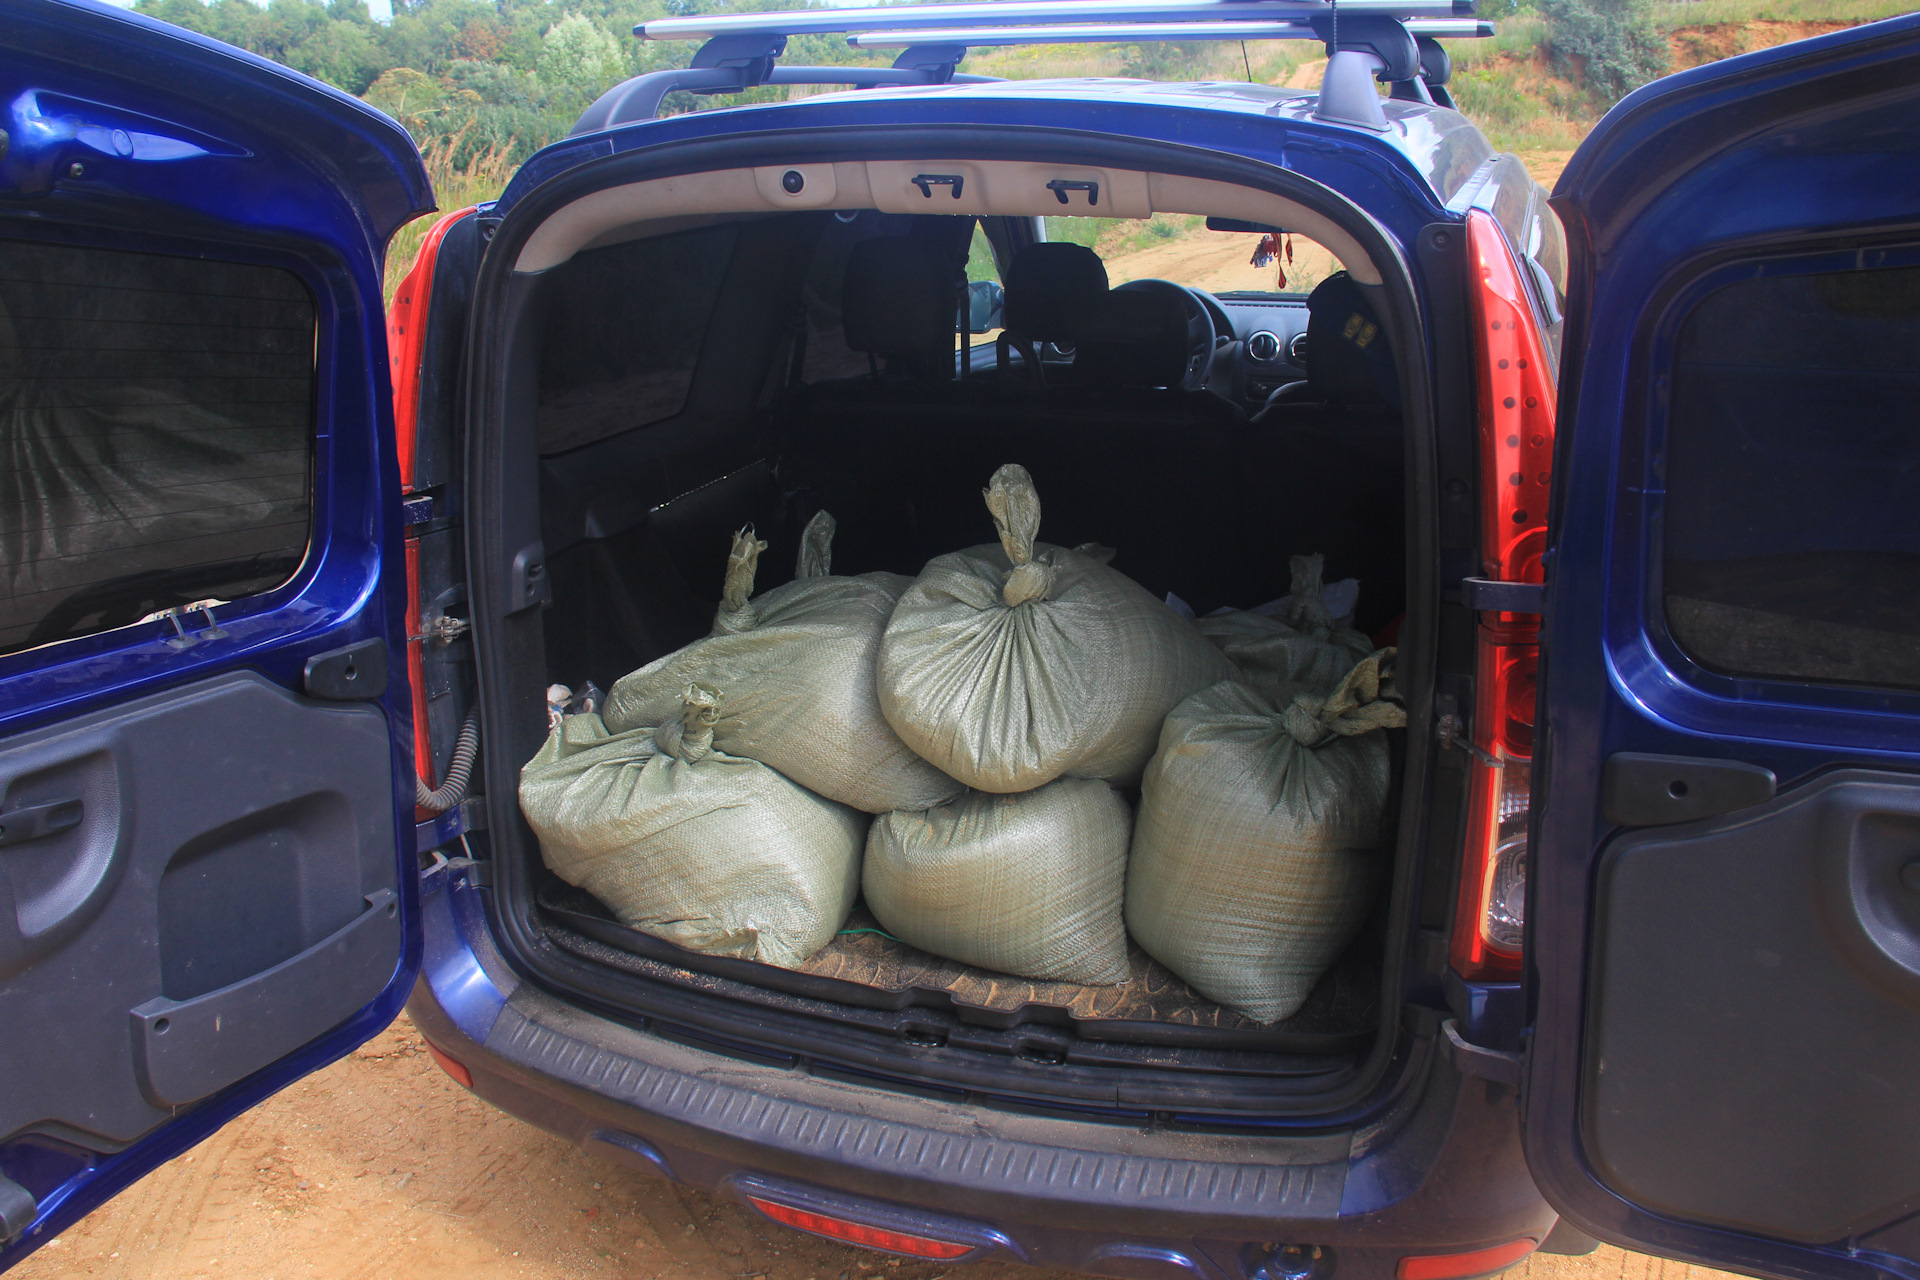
(1611, 47)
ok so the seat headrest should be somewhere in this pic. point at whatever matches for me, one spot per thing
(901, 301)
(1131, 338)
(1049, 283)
(1348, 356)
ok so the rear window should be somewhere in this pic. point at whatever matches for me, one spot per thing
(158, 415)
(1793, 461)
(624, 330)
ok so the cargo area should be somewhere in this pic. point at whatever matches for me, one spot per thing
(679, 383)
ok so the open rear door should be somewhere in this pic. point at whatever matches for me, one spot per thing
(1724, 922)
(206, 784)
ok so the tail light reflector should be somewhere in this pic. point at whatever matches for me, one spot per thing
(458, 1070)
(1516, 395)
(859, 1233)
(1459, 1266)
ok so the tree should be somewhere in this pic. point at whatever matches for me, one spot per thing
(579, 60)
(1612, 47)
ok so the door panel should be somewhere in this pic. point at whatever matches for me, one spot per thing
(1762, 1084)
(236, 845)
(207, 879)
(1722, 939)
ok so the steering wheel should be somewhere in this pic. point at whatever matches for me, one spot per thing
(1202, 332)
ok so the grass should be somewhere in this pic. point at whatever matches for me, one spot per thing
(481, 180)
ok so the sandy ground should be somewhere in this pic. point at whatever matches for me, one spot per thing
(380, 1166)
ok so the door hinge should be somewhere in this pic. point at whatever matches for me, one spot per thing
(1451, 730)
(1488, 595)
(442, 630)
(181, 639)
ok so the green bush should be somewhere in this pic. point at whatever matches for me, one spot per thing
(1611, 47)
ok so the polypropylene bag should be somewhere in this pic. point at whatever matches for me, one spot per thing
(798, 667)
(1256, 851)
(1305, 646)
(1024, 884)
(1009, 666)
(715, 852)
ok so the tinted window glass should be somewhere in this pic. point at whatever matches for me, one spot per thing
(1792, 543)
(624, 331)
(157, 415)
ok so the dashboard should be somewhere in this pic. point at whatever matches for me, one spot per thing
(1268, 350)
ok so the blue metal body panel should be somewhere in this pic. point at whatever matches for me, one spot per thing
(185, 145)
(1758, 156)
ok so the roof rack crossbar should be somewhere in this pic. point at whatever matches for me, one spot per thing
(737, 62)
(825, 21)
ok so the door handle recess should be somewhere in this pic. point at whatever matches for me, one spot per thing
(184, 1050)
(31, 822)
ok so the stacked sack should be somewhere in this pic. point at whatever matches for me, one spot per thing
(987, 711)
(681, 840)
(1039, 677)
(1257, 851)
(1304, 647)
(798, 667)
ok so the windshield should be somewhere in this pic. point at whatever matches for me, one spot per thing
(1180, 247)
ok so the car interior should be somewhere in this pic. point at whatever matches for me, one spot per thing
(689, 374)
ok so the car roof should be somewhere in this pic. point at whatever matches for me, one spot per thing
(1437, 147)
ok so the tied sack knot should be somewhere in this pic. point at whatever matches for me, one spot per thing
(1016, 516)
(816, 547)
(743, 561)
(1365, 700)
(1306, 612)
(690, 738)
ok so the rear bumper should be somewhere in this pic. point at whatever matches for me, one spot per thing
(1442, 1172)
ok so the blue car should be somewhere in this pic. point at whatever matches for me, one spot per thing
(1628, 475)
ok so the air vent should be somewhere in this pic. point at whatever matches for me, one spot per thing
(1297, 349)
(1263, 346)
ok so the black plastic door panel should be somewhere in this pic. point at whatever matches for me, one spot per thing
(230, 858)
(1766, 1084)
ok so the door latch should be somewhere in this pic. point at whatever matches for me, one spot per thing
(1488, 595)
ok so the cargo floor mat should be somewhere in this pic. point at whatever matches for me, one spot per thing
(864, 967)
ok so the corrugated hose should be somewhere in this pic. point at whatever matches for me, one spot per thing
(454, 789)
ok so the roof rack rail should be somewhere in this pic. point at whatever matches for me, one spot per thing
(1390, 40)
(1118, 32)
(1003, 13)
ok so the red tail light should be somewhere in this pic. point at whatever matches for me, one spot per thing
(1459, 1266)
(406, 351)
(859, 1233)
(1516, 450)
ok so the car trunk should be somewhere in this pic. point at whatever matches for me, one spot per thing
(669, 384)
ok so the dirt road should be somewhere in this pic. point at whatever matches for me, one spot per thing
(380, 1166)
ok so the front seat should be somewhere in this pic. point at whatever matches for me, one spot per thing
(1048, 285)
